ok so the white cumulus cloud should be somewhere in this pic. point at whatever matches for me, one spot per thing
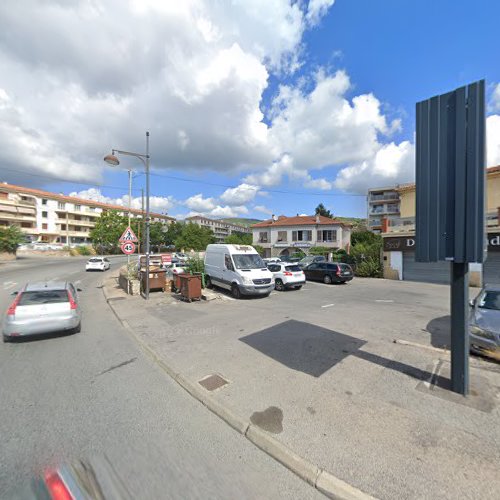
(156, 203)
(240, 194)
(199, 204)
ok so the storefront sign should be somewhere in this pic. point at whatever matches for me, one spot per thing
(400, 244)
(494, 242)
(302, 245)
(281, 245)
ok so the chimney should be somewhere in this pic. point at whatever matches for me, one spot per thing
(317, 219)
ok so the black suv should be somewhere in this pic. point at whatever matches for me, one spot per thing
(328, 272)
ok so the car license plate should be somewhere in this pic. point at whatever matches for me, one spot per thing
(346, 273)
(298, 274)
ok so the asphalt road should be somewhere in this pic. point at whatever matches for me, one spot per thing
(93, 393)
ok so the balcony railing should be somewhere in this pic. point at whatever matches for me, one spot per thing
(383, 197)
(401, 225)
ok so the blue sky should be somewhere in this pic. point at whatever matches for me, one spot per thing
(335, 82)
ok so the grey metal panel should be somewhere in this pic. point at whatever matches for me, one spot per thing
(450, 173)
(491, 269)
(427, 272)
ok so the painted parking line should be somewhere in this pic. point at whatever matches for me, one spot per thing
(9, 284)
(328, 305)
(386, 301)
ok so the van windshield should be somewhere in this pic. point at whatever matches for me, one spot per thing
(248, 261)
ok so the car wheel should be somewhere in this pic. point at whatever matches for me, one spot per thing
(78, 329)
(7, 339)
(327, 279)
(298, 287)
(208, 283)
(236, 291)
(279, 285)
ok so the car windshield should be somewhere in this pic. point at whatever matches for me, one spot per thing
(95, 260)
(248, 261)
(307, 260)
(43, 297)
(344, 267)
(293, 268)
(490, 300)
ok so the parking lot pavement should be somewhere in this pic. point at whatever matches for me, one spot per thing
(318, 369)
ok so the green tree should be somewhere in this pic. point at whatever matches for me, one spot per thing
(321, 210)
(194, 237)
(260, 250)
(320, 251)
(107, 231)
(10, 238)
(366, 249)
(238, 239)
(174, 231)
(157, 235)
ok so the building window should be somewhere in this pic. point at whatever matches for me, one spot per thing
(263, 237)
(63, 227)
(328, 235)
(92, 209)
(44, 201)
(282, 236)
(45, 226)
(4, 195)
(45, 214)
(61, 206)
(78, 208)
(305, 235)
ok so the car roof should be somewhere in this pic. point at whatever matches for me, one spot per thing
(46, 285)
(493, 287)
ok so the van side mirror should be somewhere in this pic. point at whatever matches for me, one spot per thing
(79, 290)
(14, 293)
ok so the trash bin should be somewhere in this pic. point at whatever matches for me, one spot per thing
(190, 287)
(157, 279)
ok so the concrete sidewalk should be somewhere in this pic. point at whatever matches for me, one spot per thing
(340, 399)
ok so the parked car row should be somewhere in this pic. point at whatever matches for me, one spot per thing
(240, 269)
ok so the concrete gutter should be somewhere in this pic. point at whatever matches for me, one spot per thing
(322, 480)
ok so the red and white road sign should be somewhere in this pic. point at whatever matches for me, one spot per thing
(128, 236)
(166, 257)
(128, 248)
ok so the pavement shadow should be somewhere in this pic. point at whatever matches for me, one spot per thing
(313, 350)
(440, 331)
(42, 336)
(303, 346)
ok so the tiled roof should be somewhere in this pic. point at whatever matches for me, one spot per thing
(74, 199)
(300, 220)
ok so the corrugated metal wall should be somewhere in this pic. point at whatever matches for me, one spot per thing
(428, 272)
(491, 269)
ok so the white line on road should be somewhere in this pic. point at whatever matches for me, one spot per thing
(328, 305)
(9, 284)
(381, 300)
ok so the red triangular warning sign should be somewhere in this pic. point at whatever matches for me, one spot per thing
(128, 236)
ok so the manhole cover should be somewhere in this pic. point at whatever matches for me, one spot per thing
(213, 382)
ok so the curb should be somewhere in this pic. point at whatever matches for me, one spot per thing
(320, 479)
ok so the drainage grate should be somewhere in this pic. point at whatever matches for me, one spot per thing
(213, 382)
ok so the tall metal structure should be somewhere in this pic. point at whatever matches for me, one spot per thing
(450, 215)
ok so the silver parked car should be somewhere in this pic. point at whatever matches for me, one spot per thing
(41, 308)
(485, 319)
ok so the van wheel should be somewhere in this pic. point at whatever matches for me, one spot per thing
(279, 285)
(327, 279)
(236, 292)
(208, 283)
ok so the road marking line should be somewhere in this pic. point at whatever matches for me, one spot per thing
(79, 281)
(434, 375)
(328, 305)
(381, 300)
(11, 285)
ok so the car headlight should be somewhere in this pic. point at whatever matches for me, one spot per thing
(247, 280)
(476, 330)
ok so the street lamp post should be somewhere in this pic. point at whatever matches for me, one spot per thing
(113, 160)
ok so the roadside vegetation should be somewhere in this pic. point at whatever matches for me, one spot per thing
(10, 238)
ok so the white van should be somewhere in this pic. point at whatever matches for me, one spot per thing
(238, 268)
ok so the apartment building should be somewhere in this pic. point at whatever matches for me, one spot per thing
(383, 203)
(220, 228)
(55, 218)
(399, 240)
(280, 236)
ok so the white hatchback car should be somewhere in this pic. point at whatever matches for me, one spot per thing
(287, 275)
(97, 264)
